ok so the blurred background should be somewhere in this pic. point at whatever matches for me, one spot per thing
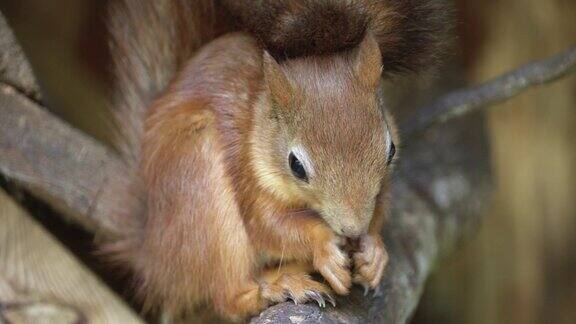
(521, 265)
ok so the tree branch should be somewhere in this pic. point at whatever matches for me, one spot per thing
(54, 161)
(42, 282)
(439, 191)
(460, 102)
(14, 67)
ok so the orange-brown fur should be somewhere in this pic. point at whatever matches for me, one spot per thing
(216, 220)
(223, 221)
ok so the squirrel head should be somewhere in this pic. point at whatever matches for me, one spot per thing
(322, 141)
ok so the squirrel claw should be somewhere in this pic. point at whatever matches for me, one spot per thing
(321, 298)
(294, 300)
(298, 288)
(366, 290)
(331, 300)
(289, 296)
(316, 297)
(360, 280)
(377, 291)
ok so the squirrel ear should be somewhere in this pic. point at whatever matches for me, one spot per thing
(280, 88)
(368, 62)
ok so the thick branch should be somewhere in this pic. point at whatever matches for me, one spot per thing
(54, 161)
(42, 282)
(464, 101)
(441, 187)
(14, 67)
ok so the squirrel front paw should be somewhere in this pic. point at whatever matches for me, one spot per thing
(369, 262)
(298, 287)
(333, 264)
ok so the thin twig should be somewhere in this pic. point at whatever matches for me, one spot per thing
(464, 101)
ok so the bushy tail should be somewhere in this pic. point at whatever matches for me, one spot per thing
(151, 39)
(149, 42)
(412, 33)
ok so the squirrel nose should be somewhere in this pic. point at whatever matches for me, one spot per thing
(355, 224)
(352, 232)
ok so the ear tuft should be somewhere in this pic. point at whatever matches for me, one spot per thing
(278, 84)
(368, 62)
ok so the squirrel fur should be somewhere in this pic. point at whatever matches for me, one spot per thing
(257, 148)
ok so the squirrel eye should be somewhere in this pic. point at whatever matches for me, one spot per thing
(297, 167)
(391, 153)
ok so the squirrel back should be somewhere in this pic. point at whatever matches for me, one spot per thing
(149, 42)
(152, 41)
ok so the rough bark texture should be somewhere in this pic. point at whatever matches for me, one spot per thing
(14, 68)
(440, 189)
(54, 161)
(464, 101)
(42, 282)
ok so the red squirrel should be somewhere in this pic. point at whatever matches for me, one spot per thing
(258, 145)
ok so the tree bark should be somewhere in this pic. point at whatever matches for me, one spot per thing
(440, 190)
(41, 281)
(438, 193)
